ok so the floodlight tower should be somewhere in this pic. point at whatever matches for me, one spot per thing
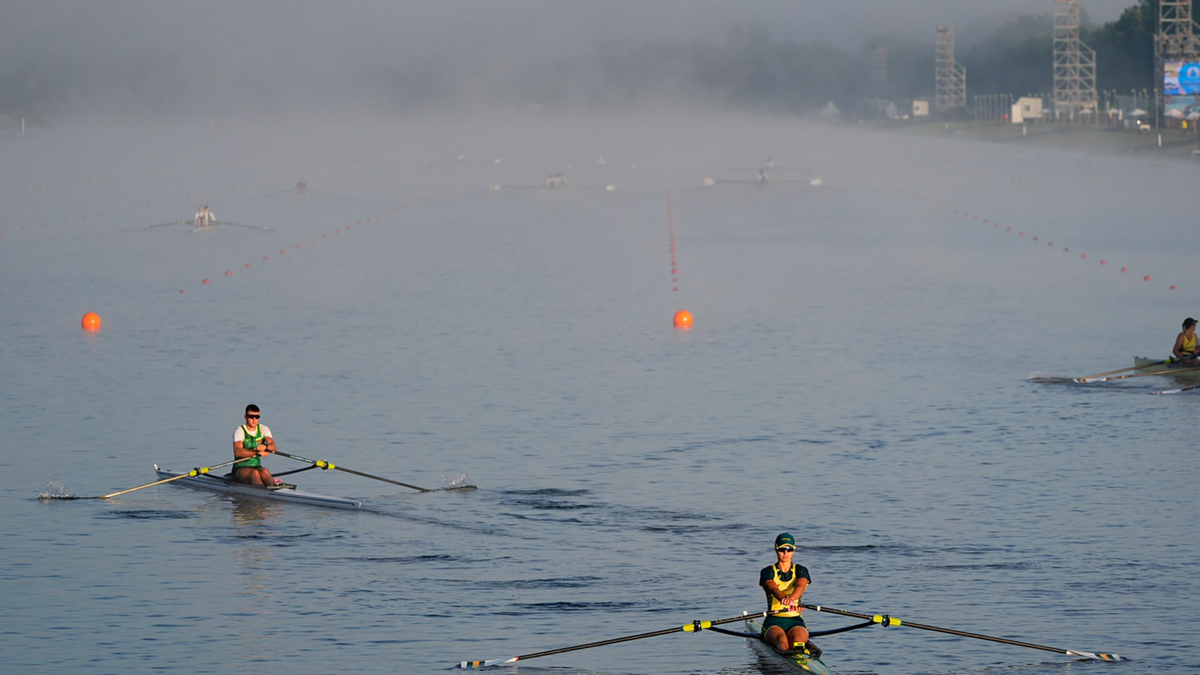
(949, 75)
(1074, 63)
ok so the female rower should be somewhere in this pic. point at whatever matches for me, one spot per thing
(1185, 349)
(784, 583)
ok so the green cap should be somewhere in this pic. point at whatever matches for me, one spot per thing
(785, 539)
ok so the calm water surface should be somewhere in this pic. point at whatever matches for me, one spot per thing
(858, 375)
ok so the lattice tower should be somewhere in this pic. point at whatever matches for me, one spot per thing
(1176, 36)
(1074, 62)
(949, 75)
(881, 84)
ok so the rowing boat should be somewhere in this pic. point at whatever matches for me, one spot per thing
(1189, 374)
(286, 494)
(804, 663)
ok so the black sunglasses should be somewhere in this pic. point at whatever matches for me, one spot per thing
(252, 417)
(785, 549)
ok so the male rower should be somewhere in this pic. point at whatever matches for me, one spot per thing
(1186, 349)
(252, 441)
(205, 218)
(784, 583)
(301, 188)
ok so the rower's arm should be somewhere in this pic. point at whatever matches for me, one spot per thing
(240, 451)
(797, 592)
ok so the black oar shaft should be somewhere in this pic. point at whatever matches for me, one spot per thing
(601, 643)
(877, 618)
(695, 626)
(329, 465)
(386, 480)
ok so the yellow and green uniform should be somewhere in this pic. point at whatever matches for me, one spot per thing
(1189, 344)
(786, 581)
(251, 441)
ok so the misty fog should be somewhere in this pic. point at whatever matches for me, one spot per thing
(143, 57)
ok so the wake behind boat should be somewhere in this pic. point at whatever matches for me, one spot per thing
(286, 494)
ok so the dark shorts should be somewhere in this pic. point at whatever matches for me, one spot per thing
(785, 622)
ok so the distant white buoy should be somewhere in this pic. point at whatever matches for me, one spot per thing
(494, 188)
(708, 182)
(496, 161)
(816, 181)
(610, 188)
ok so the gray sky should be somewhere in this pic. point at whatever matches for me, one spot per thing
(174, 50)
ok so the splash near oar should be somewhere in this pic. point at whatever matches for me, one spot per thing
(693, 627)
(886, 621)
(190, 474)
(326, 466)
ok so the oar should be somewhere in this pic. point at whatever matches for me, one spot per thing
(892, 621)
(191, 474)
(330, 465)
(1091, 378)
(1157, 372)
(178, 222)
(1177, 391)
(693, 627)
(249, 227)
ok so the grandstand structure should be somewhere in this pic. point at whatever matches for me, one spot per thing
(950, 76)
(1074, 65)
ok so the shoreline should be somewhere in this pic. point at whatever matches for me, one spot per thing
(1176, 143)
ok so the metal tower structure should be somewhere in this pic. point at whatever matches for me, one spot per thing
(1176, 36)
(1074, 63)
(881, 84)
(949, 75)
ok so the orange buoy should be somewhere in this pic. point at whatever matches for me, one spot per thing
(683, 319)
(91, 322)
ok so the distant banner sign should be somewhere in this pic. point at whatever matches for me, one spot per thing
(1182, 107)
(1181, 77)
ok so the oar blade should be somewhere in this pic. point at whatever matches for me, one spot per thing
(1097, 656)
(486, 664)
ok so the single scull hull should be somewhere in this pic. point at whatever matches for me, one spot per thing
(222, 484)
(1188, 376)
(799, 662)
